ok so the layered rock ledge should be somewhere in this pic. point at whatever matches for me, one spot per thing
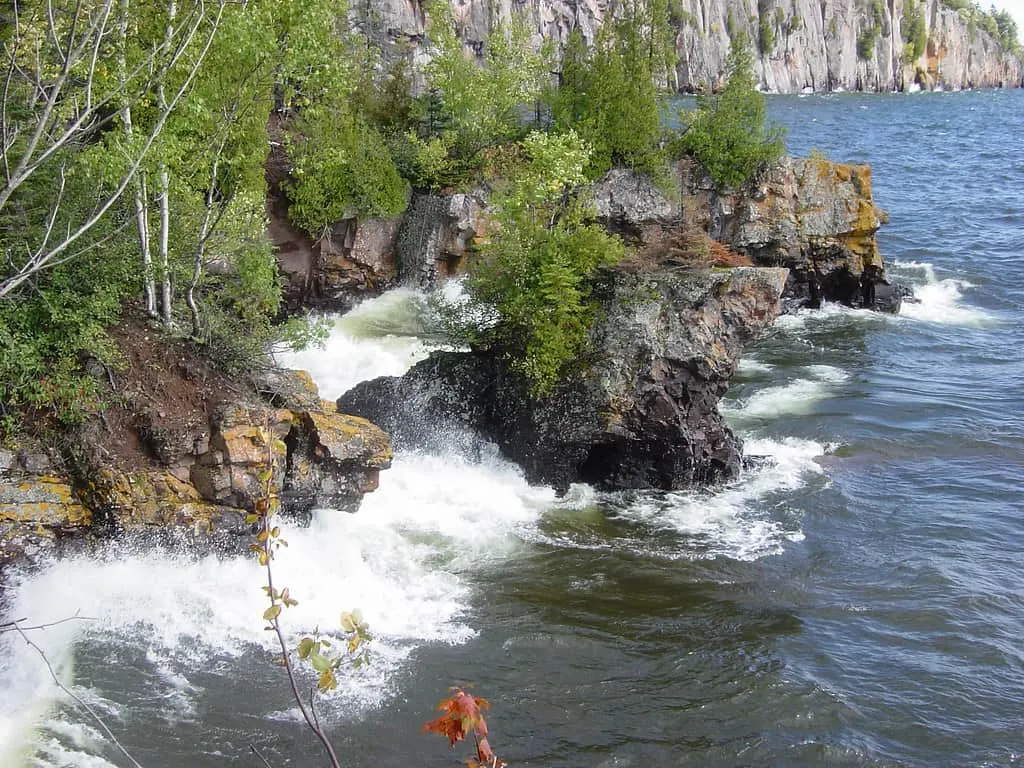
(812, 216)
(640, 412)
(183, 453)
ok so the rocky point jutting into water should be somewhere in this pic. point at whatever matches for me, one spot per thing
(812, 216)
(184, 449)
(803, 44)
(641, 411)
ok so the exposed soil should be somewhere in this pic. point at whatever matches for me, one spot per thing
(159, 400)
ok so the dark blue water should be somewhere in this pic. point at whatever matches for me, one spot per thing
(860, 602)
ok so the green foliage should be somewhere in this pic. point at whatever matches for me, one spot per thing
(473, 105)
(46, 335)
(869, 35)
(341, 167)
(866, 43)
(607, 94)
(728, 133)
(999, 24)
(914, 31)
(766, 28)
(532, 276)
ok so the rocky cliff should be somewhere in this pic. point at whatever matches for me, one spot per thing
(812, 216)
(641, 411)
(806, 44)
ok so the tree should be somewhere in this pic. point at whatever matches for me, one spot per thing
(59, 97)
(533, 275)
(608, 94)
(728, 132)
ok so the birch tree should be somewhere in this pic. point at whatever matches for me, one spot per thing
(60, 94)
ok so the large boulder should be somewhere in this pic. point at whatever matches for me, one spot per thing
(333, 460)
(640, 412)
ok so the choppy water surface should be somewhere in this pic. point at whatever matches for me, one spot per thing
(857, 602)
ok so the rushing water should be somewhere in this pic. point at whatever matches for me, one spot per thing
(859, 602)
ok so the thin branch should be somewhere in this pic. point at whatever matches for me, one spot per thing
(260, 756)
(77, 699)
(11, 626)
(42, 260)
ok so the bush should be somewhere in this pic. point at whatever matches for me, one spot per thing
(607, 95)
(914, 31)
(866, 43)
(728, 133)
(341, 167)
(533, 275)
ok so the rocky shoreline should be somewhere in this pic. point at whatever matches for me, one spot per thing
(183, 447)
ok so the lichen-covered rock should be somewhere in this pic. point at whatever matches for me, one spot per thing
(813, 216)
(245, 443)
(155, 498)
(333, 460)
(623, 196)
(641, 412)
(37, 508)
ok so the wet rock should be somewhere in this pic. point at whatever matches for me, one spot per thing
(814, 217)
(640, 413)
(37, 511)
(435, 234)
(333, 460)
(159, 499)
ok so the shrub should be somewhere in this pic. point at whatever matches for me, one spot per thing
(728, 133)
(341, 167)
(533, 275)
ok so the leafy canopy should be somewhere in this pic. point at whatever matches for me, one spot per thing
(533, 275)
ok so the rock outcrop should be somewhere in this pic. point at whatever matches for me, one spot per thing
(807, 44)
(640, 413)
(39, 509)
(814, 217)
(175, 474)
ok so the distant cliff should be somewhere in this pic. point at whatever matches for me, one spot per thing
(820, 45)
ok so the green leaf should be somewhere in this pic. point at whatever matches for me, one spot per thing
(272, 612)
(306, 646)
(320, 663)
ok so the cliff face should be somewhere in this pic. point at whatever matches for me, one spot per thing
(814, 43)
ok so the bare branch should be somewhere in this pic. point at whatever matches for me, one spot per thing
(76, 698)
(260, 756)
(16, 625)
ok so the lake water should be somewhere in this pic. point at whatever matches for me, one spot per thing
(859, 602)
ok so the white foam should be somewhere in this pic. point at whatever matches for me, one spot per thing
(380, 337)
(795, 397)
(939, 302)
(828, 312)
(751, 365)
(728, 522)
(401, 559)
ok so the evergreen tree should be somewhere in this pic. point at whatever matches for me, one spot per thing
(728, 132)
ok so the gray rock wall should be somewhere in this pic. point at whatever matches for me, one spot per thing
(814, 47)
